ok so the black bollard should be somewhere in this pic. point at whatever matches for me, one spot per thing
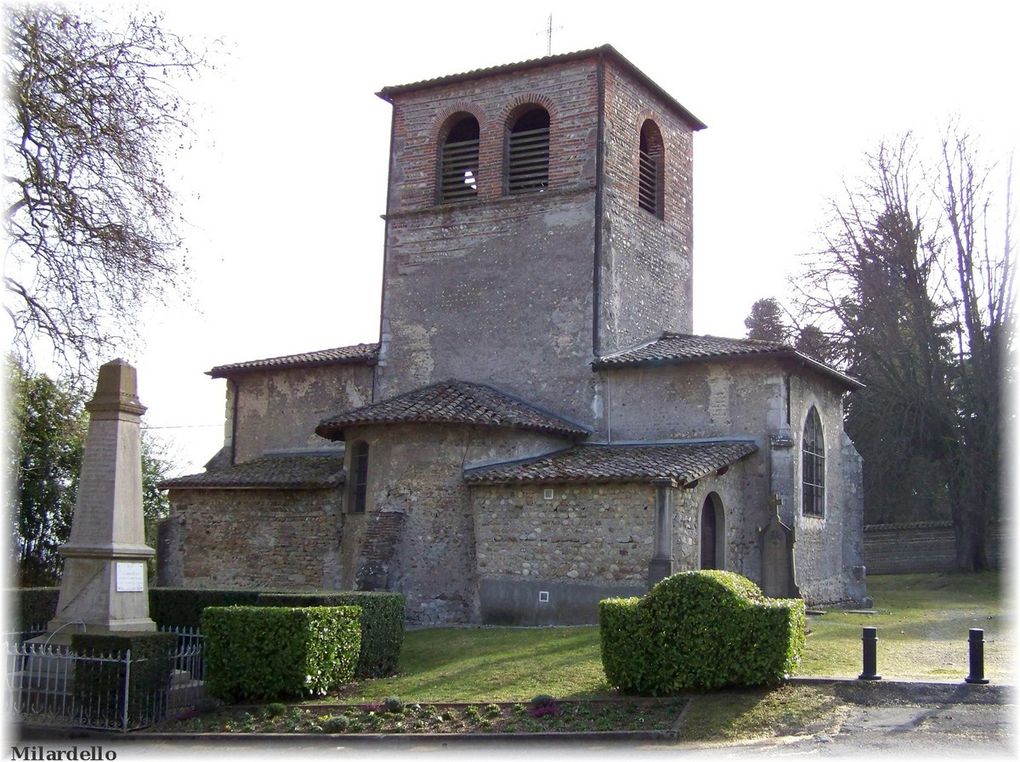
(977, 658)
(869, 638)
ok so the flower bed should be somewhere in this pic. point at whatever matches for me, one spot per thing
(393, 716)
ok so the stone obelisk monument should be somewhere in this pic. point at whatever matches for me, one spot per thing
(104, 588)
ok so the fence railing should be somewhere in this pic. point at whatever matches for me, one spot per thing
(55, 686)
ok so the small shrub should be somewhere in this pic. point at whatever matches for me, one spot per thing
(208, 704)
(393, 705)
(551, 708)
(257, 653)
(699, 630)
(493, 710)
(337, 724)
(276, 709)
(541, 700)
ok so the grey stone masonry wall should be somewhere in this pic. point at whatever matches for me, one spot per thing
(742, 492)
(279, 409)
(693, 400)
(919, 547)
(584, 542)
(497, 294)
(497, 290)
(417, 471)
(646, 273)
(261, 539)
(830, 546)
(591, 533)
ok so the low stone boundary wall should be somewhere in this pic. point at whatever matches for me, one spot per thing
(920, 547)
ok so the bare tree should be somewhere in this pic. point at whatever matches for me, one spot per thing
(92, 115)
(980, 270)
(919, 302)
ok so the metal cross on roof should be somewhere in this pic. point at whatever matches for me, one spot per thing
(548, 31)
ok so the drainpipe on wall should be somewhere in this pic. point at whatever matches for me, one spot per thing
(235, 393)
(661, 565)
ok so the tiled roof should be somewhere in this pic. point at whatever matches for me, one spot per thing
(672, 348)
(316, 471)
(609, 51)
(453, 402)
(366, 354)
(679, 462)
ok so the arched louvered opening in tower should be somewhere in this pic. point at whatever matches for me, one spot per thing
(458, 172)
(650, 169)
(527, 161)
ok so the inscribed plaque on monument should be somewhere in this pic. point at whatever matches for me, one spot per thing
(130, 577)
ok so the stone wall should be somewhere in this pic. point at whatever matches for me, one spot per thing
(646, 262)
(472, 289)
(742, 493)
(592, 533)
(279, 409)
(545, 561)
(830, 546)
(585, 542)
(567, 90)
(497, 294)
(262, 539)
(417, 471)
(693, 400)
(919, 547)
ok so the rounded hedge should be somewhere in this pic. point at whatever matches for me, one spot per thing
(699, 630)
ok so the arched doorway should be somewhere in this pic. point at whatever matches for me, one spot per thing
(713, 533)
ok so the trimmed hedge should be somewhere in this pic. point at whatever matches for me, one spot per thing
(382, 617)
(183, 607)
(699, 630)
(99, 685)
(259, 653)
(382, 624)
(31, 606)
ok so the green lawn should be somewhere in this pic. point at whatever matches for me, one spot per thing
(922, 623)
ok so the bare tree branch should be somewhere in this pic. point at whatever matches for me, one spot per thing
(91, 218)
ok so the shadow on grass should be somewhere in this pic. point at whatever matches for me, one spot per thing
(502, 664)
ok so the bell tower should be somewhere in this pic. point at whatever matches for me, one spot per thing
(538, 216)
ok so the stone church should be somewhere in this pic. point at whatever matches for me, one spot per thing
(537, 427)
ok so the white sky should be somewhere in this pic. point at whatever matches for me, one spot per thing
(286, 184)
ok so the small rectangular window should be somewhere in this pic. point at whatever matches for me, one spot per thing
(359, 478)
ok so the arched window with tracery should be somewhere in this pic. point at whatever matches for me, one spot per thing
(527, 152)
(813, 451)
(458, 163)
(651, 161)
